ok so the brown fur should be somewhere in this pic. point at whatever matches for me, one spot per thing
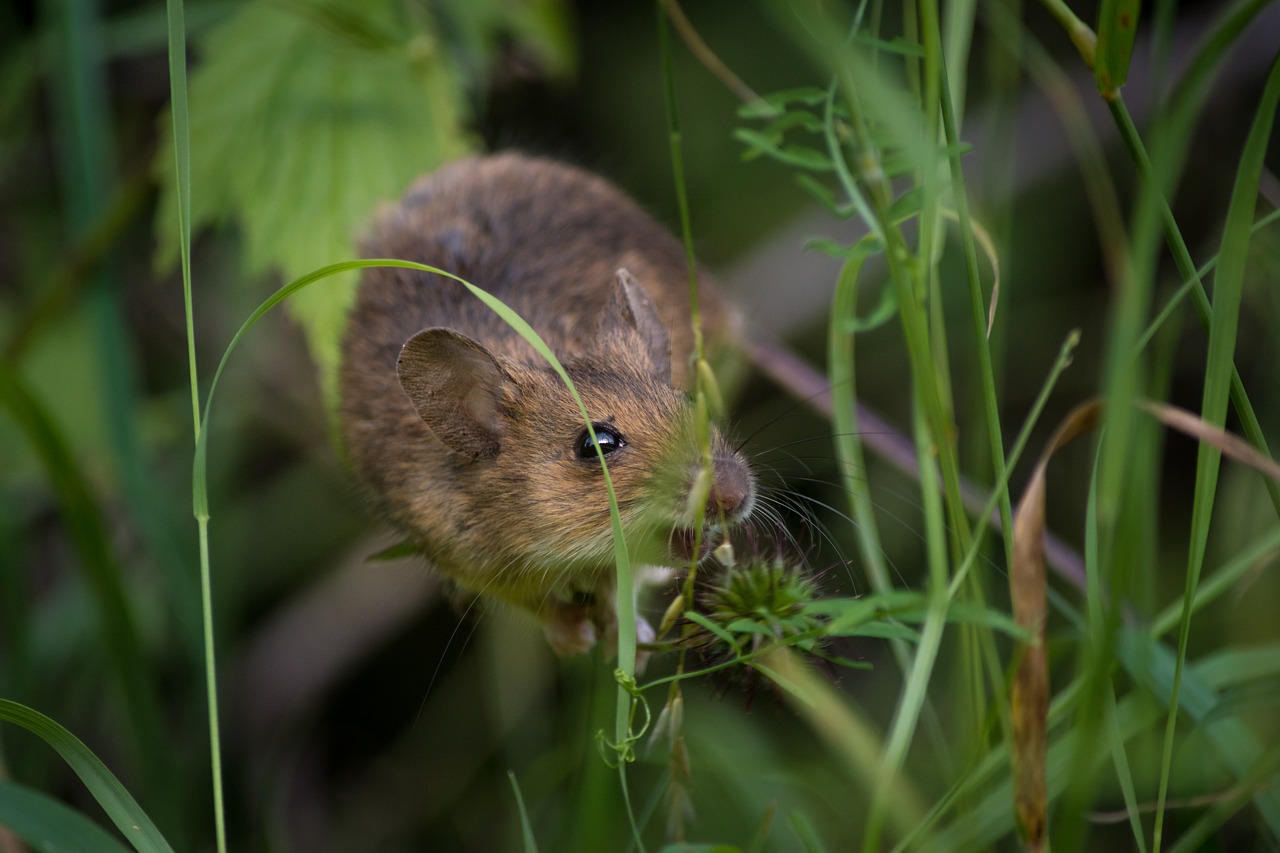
(471, 448)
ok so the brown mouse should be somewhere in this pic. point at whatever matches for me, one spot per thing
(470, 443)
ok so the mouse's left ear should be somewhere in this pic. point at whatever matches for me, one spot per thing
(636, 310)
(456, 385)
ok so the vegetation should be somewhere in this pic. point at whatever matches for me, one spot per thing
(999, 225)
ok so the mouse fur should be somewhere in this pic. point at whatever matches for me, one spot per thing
(466, 439)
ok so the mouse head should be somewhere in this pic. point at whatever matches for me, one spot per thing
(531, 467)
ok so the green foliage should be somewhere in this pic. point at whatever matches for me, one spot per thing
(887, 720)
(106, 789)
(49, 826)
(304, 116)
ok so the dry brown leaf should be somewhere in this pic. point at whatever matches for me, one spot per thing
(1028, 587)
(1028, 590)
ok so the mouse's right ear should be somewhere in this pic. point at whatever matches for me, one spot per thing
(632, 304)
(456, 386)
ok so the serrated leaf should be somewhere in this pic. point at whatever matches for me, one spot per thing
(301, 122)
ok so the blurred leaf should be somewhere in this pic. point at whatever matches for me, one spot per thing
(1236, 746)
(119, 805)
(303, 116)
(83, 518)
(1117, 27)
(886, 307)
(878, 630)
(853, 616)
(481, 27)
(899, 45)
(1237, 665)
(851, 737)
(798, 156)
(49, 825)
(807, 835)
(770, 105)
(824, 196)
(723, 635)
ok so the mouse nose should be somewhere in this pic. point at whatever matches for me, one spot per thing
(732, 488)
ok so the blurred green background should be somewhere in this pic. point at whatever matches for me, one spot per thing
(362, 710)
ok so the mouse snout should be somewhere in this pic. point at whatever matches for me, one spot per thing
(732, 488)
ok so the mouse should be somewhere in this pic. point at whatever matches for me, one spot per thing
(468, 442)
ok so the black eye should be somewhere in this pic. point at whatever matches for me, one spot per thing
(610, 442)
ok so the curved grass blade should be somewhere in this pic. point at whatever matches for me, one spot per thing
(49, 825)
(119, 805)
(625, 584)
(526, 829)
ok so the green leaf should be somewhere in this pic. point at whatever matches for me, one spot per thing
(303, 117)
(50, 826)
(878, 630)
(119, 805)
(727, 638)
(897, 45)
(770, 105)
(1117, 27)
(790, 155)
(886, 309)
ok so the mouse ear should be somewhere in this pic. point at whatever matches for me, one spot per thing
(637, 311)
(456, 386)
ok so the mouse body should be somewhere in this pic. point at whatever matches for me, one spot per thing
(467, 440)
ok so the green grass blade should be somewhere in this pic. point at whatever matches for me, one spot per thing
(119, 805)
(86, 526)
(1252, 428)
(181, 125)
(1228, 286)
(1234, 743)
(49, 825)
(180, 116)
(1117, 28)
(526, 829)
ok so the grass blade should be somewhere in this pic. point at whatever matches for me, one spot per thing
(101, 782)
(86, 526)
(1228, 284)
(50, 826)
(526, 829)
